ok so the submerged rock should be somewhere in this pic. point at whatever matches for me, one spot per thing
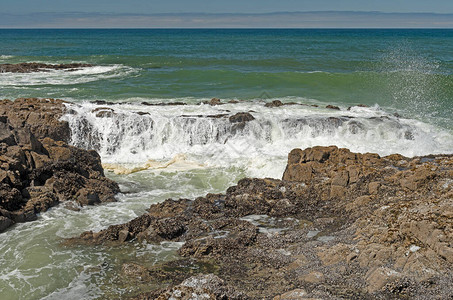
(213, 102)
(37, 171)
(275, 103)
(333, 107)
(40, 67)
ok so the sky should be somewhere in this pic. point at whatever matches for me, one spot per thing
(222, 13)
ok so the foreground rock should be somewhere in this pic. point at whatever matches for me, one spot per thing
(339, 225)
(40, 67)
(38, 169)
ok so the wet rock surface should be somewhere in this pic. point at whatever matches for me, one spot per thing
(40, 67)
(38, 169)
(340, 225)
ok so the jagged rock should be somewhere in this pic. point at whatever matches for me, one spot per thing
(40, 116)
(38, 172)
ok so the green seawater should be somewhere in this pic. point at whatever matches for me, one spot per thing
(408, 72)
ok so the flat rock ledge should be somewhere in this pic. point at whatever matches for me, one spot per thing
(340, 225)
(40, 67)
(38, 169)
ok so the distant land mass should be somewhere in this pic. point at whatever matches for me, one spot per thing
(311, 19)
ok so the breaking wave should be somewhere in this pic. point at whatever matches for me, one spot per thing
(134, 137)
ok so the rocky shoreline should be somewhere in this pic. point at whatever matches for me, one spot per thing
(38, 169)
(338, 225)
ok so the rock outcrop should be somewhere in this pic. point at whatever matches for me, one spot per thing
(339, 225)
(40, 67)
(38, 169)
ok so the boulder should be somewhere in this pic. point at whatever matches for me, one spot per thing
(241, 117)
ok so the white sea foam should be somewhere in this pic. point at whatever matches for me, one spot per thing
(65, 77)
(130, 142)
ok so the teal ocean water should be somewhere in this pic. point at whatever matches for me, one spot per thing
(408, 70)
(404, 77)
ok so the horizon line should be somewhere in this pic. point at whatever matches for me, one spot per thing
(228, 28)
(229, 13)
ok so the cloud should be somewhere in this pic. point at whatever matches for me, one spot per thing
(320, 19)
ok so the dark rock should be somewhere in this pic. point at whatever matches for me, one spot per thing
(103, 112)
(241, 117)
(275, 103)
(38, 172)
(142, 113)
(40, 67)
(333, 107)
(103, 102)
(213, 102)
(163, 103)
(5, 223)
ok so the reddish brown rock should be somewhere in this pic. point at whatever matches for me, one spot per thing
(40, 116)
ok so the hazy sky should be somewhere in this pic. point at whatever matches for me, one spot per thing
(223, 6)
(223, 13)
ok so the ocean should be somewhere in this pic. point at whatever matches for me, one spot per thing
(402, 78)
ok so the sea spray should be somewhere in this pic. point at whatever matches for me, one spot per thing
(132, 138)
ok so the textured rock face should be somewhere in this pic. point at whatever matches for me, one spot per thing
(39, 67)
(339, 225)
(40, 116)
(36, 171)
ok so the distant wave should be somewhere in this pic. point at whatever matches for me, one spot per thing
(64, 77)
